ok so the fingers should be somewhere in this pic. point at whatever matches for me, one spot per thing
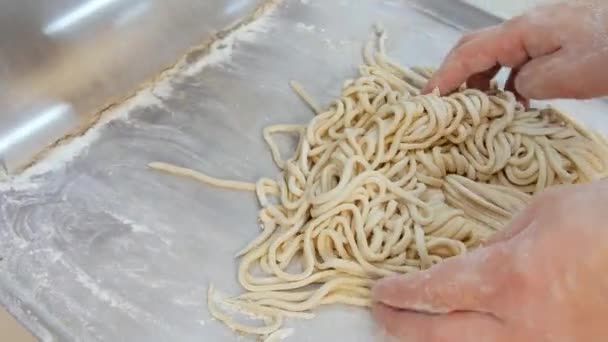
(524, 219)
(518, 224)
(470, 282)
(483, 80)
(470, 36)
(534, 79)
(511, 44)
(560, 75)
(457, 327)
(510, 86)
(483, 52)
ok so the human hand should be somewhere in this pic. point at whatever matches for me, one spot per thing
(555, 51)
(545, 278)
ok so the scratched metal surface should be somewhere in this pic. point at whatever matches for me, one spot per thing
(95, 247)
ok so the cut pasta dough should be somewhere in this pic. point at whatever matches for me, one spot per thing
(388, 181)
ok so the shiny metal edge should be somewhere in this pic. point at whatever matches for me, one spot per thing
(461, 15)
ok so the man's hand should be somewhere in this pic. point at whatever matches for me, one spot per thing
(555, 51)
(545, 278)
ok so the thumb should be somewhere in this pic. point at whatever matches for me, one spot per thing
(541, 205)
(521, 222)
(551, 77)
(469, 282)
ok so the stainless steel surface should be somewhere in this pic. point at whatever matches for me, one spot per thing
(85, 55)
(96, 247)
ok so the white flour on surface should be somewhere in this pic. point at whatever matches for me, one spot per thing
(304, 27)
(113, 299)
(221, 50)
(65, 153)
(135, 227)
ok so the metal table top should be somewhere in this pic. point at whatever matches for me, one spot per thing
(96, 247)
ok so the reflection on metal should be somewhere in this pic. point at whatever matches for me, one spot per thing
(32, 128)
(75, 16)
(41, 121)
(235, 7)
(132, 13)
(91, 54)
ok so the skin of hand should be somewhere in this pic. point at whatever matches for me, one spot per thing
(555, 51)
(543, 279)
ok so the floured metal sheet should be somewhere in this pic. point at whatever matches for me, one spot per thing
(96, 247)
